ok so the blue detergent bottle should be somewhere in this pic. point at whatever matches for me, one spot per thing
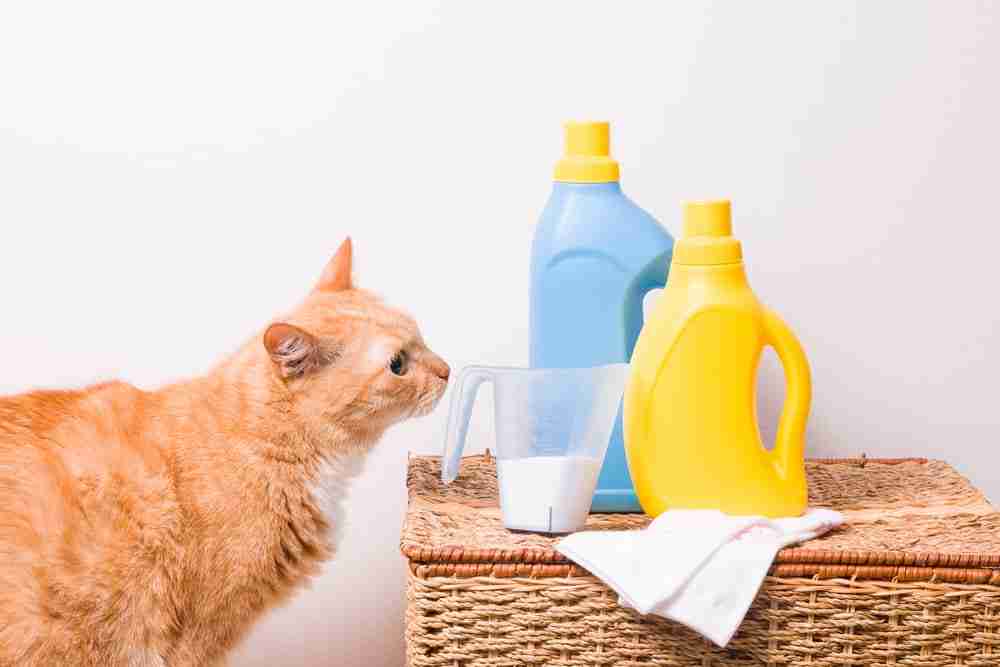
(594, 258)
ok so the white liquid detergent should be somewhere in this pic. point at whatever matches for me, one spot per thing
(547, 494)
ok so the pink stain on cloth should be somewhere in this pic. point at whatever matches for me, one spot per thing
(701, 568)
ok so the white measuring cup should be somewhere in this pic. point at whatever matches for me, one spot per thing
(552, 431)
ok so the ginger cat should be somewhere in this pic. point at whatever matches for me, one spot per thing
(152, 528)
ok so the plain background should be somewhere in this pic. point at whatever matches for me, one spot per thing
(172, 176)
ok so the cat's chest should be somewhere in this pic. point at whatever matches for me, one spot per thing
(328, 490)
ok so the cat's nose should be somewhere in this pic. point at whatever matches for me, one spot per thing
(439, 367)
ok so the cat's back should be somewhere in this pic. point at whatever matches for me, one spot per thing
(36, 445)
(53, 441)
(86, 507)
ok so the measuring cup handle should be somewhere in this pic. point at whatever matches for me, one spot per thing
(463, 397)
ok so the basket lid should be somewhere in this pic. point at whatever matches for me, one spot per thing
(906, 520)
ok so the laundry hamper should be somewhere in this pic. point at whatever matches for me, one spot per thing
(912, 578)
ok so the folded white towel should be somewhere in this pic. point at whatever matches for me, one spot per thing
(701, 568)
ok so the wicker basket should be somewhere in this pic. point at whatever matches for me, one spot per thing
(913, 578)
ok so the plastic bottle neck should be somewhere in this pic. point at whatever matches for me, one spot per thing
(610, 187)
(723, 275)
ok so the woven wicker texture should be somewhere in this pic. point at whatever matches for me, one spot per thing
(907, 513)
(912, 579)
(487, 621)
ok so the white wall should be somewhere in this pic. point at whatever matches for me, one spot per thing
(171, 177)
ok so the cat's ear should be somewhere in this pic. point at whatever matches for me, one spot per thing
(294, 351)
(337, 274)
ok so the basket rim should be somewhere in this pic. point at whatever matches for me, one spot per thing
(809, 571)
(793, 562)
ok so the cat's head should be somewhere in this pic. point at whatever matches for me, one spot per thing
(347, 360)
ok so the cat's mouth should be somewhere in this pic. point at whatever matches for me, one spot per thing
(428, 403)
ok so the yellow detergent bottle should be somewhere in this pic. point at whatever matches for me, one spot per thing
(691, 432)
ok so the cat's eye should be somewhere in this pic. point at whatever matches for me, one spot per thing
(398, 364)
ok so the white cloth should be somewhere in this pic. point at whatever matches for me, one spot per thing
(701, 568)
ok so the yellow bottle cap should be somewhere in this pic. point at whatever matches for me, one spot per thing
(708, 235)
(587, 157)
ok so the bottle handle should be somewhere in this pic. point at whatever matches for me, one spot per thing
(789, 446)
(460, 410)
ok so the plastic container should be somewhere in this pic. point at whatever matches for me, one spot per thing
(691, 427)
(595, 256)
(552, 428)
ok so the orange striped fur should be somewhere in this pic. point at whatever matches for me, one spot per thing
(152, 528)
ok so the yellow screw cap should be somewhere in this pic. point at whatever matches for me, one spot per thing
(587, 157)
(708, 218)
(708, 235)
